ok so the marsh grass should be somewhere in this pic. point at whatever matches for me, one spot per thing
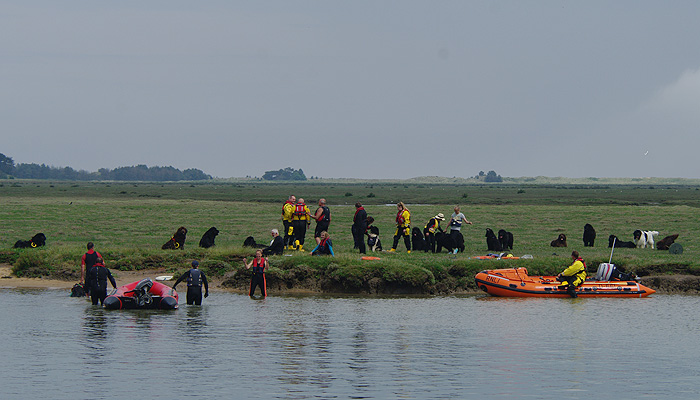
(130, 222)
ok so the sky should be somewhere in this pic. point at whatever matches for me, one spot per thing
(354, 89)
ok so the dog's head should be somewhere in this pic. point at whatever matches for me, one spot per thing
(212, 232)
(38, 240)
(588, 228)
(637, 234)
(561, 237)
(415, 232)
(489, 233)
(502, 233)
(611, 240)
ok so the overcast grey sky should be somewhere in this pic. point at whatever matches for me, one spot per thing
(357, 89)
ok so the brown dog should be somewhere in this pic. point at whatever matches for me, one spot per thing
(177, 241)
(559, 241)
(666, 242)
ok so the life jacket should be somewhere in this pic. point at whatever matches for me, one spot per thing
(300, 211)
(401, 220)
(456, 223)
(286, 213)
(259, 266)
(326, 216)
(432, 225)
(90, 259)
(195, 278)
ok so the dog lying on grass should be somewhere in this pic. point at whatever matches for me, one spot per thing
(36, 241)
(560, 241)
(619, 243)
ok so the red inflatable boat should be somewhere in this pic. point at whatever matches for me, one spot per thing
(144, 294)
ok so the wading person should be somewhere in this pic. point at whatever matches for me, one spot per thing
(403, 227)
(287, 216)
(276, 246)
(259, 264)
(325, 247)
(574, 275)
(323, 219)
(195, 279)
(430, 229)
(359, 227)
(97, 278)
(300, 220)
(86, 262)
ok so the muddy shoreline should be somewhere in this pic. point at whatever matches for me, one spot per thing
(233, 282)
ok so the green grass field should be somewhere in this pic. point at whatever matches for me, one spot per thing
(130, 221)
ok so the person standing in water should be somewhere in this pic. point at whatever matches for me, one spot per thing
(259, 264)
(195, 279)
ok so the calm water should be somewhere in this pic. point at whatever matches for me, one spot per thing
(57, 347)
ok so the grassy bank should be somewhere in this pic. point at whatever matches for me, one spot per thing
(129, 223)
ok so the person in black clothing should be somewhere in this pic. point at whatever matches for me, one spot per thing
(97, 281)
(86, 263)
(323, 219)
(195, 278)
(276, 246)
(359, 227)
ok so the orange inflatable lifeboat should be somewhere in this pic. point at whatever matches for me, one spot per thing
(515, 282)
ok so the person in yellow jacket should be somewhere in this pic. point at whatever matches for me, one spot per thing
(287, 216)
(574, 275)
(300, 220)
(403, 227)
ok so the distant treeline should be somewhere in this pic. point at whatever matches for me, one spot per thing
(287, 174)
(135, 173)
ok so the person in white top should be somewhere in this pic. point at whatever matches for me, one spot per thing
(456, 222)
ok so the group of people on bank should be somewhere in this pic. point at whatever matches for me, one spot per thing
(296, 218)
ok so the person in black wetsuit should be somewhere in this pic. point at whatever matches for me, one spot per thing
(259, 264)
(195, 278)
(97, 281)
(86, 262)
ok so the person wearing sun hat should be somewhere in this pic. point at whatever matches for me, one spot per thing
(430, 229)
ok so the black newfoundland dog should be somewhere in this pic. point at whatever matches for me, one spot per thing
(417, 240)
(208, 238)
(588, 235)
(492, 241)
(448, 241)
(250, 242)
(506, 239)
(36, 241)
(619, 243)
(560, 241)
(177, 241)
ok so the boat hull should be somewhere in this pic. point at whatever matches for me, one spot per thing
(515, 282)
(160, 296)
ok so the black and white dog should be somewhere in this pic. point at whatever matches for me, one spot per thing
(492, 241)
(373, 241)
(644, 239)
(588, 235)
(618, 243)
(506, 239)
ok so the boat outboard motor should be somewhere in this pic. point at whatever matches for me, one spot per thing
(609, 272)
(142, 294)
